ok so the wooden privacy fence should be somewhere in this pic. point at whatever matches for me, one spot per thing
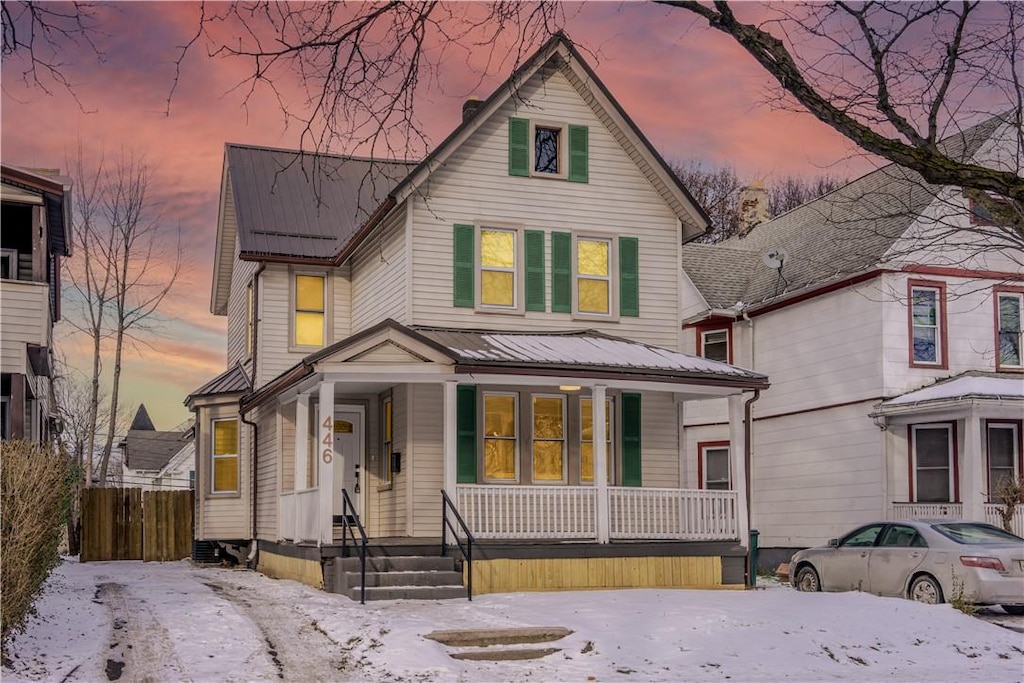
(132, 524)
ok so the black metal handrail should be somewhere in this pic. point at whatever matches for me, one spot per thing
(467, 551)
(351, 523)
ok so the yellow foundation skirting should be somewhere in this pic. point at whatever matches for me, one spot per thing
(587, 573)
(308, 572)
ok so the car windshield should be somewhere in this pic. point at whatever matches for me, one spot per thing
(975, 534)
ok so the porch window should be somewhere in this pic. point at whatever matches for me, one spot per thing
(587, 440)
(498, 268)
(310, 311)
(593, 276)
(1009, 330)
(715, 472)
(1003, 456)
(933, 466)
(387, 445)
(501, 418)
(927, 323)
(549, 439)
(714, 344)
(225, 456)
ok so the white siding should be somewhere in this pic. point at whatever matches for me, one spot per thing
(474, 186)
(659, 443)
(238, 327)
(378, 276)
(426, 457)
(222, 516)
(25, 312)
(266, 473)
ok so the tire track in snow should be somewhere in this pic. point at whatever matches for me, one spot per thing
(141, 649)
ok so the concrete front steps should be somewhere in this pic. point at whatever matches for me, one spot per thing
(396, 578)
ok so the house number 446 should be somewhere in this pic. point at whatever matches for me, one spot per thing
(328, 440)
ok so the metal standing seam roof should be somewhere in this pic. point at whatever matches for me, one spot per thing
(578, 351)
(970, 385)
(292, 204)
(844, 232)
(230, 381)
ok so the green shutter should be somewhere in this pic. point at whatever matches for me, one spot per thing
(561, 272)
(631, 469)
(464, 270)
(465, 434)
(518, 146)
(535, 291)
(629, 276)
(579, 151)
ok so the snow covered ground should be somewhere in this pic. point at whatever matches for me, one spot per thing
(173, 622)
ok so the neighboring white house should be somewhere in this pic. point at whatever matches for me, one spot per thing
(501, 321)
(35, 238)
(892, 336)
(154, 460)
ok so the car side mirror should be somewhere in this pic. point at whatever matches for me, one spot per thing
(833, 543)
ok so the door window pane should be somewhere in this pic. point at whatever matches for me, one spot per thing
(862, 537)
(933, 463)
(549, 438)
(500, 436)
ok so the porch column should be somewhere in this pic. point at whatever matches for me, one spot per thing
(325, 463)
(600, 463)
(737, 450)
(450, 439)
(301, 463)
(972, 478)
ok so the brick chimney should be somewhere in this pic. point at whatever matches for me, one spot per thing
(470, 107)
(753, 207)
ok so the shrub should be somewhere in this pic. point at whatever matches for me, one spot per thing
(36, 484)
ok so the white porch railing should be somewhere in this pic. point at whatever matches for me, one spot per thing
(570, 512)
(307, 515)
(993, 517)
(286, 508)
(677, 514)
(927, 511)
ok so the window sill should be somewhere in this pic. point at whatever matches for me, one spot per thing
(384, 487)
(514, 312)
(596, 317)
(223, 494)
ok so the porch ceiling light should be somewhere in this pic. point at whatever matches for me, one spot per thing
(568, 387)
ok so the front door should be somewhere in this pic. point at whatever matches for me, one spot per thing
(348, 455)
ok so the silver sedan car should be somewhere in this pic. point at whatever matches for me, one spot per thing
(928, 561)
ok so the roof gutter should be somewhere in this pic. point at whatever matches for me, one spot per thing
(365, 230)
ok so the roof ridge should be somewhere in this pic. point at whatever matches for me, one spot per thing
(332, 155)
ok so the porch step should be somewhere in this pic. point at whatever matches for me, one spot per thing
(408, 592)
(395, 578)
(406, 563)
(409, 578)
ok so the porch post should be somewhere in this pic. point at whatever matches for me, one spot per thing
(600, 463)
(972, 478)
(450, 439)
(301, 457)
(737, 451)
(325, 461)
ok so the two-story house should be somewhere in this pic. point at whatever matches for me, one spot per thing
(500, 321)
(888, 316)
(36, 220)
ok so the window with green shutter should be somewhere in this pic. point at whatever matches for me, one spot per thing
(464, 266)
(518, 146)
(629, 276)
(544, 149)
(465, 434)
(631, 415)
(535, 285)
(561, 272)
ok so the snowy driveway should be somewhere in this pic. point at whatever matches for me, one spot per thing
(132, 621)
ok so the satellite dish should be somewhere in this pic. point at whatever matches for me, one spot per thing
(775, 258)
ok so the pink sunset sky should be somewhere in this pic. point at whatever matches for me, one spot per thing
(694, 93)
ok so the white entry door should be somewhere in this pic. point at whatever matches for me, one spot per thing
(348, 457)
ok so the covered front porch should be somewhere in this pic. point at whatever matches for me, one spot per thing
(557, 438)
(950, 445)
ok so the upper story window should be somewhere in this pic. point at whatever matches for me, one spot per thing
(1009, 329)
(310, 315)
(593, 276)
(225, 456)
(547, 149)
(927, 312)
(714, 466)
(499, 268)
(714, 344)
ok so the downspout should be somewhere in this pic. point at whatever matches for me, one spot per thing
(253, 446)
(748, 465)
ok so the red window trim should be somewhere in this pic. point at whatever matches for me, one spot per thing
(714, 326)
(943, 337)
(912, 458)
(701, 445)
(996, 291)
(1020, 447)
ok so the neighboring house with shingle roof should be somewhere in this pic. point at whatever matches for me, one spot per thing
(152, 459)
(500, 321)
(819, 299)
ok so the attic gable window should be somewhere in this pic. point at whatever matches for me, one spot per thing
(545, 149)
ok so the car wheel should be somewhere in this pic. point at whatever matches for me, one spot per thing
(1015, 610)
(926, 589)
(807, 580)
